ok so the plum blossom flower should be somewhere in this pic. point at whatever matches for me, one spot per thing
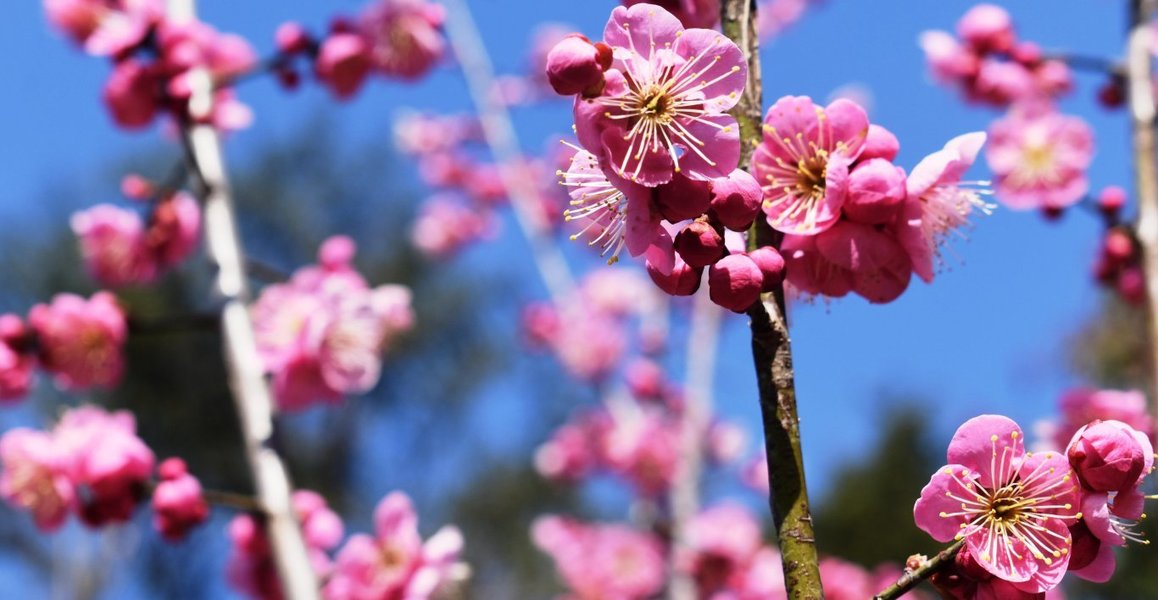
(602, 560)
(119, 249)
(405, 36)
(105, 27)
(720, 542)
(106, 459)
(80, 340)
(1012, 508)
(803, 161)
(1039, 158)
(1080, 406)
(939, 204)
(692, 13)
(395, 563)
(35, 477)
(663, 110)
(178, 504)
(17, 360)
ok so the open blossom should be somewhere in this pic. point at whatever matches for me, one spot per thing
(445, 226)
(803, 161)
(599, 561)
(405, 36)
(394, 563)
(939, 204)
(35, 477)
(1039, 157)
(112, 245)
(80, 340)
(663, 109)
(107, 460)
(1012, 508)
(105, 27)
(322, 333)
(720, 542)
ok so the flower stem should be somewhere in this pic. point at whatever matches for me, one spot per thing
(910, 579)
(772, 351)
(1142, 121)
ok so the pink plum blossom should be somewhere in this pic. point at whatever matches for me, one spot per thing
(775, 16)
(691, 13)
(178, 504)
(107, 460)
(1080, 406)
(939, 204)
(17, 358)
(35, 477)
(599, 561)
(803, 162)
(105, 27)
(576, 66)
(1013, 509)
(720, 542)
(405, 36)
(394, 563)
(445, 226)
(80, 341)
(663, 110)
(1039, 158)
(343, 63)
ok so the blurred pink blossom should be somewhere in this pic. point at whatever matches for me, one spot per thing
(80, 341)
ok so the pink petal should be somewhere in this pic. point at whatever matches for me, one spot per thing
(641, 28)
(935, 500)
(718, 62)
(977, 440)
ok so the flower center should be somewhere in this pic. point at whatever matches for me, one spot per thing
(811, 175)
(655, 104)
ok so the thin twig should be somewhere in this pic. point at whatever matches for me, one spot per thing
(913, 578)
(1142, 120)
(234, 500)
(252, 397)
(1088, 62)
(772, 351)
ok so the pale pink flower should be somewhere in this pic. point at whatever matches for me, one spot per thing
(1080, 406)
(174, 229)
(755, 474)
(663, 110)
(107, 460)
(939, 204)
(394, 563)
(804, 159)
(80, 340)
(322, 528)
(405, 36)
(105, 27)
(178, 504)
(775, 16)
(17, 359)
(1013, 509)
(987, 27)
(949, 61)
(570, 454)
(1039, 158)
(34, 477)
(602, 561)
(444, 226)
(644, 449)
(843, 580)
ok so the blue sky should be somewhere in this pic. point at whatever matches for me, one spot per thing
(987, 336)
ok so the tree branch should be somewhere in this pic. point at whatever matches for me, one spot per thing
(772, 351)
(912, 578)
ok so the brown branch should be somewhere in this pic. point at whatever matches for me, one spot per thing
(1142, 121)
(772, 351)
(912, 578)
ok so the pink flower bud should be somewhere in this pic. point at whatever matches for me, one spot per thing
(771, 264)
(178, 504)
(880, 143)
(987, 28)
(682, 199)
(1132, 285)
(1110, 456)
(130, 94)
(876, 190)
(645, 379)
(736, 200)
(292, 38)
(1118, 245)
(734, 282)
(136, 187)
(337, 253)
(576, 66)
(1054, 77)
(343, 63)
(699, 244)
(683, 280)
(1111, 200)
(174, 229)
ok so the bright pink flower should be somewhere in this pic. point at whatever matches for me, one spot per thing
(322, 529)
(1039, 158)
(80, 340)
(720, 542)
(569, 455)
(939, 204)
(736, 200)
(174, 229)
(876, 191)
(112, 245)
(132, 94)
(735, 282)
(343, 63)
(600, 561)
(1110, 456)
(35, 477)
(663, 110)
(804, 159)
(948, 60)
(843, 580)
(178, 505)
(699, 244)
(17, 359)
(1013, 509)
(405, 36)
(849, 256)
(394, 563)
(105, 27)
(692, 13)
(576, 66)
(1082, 405)
(107, 459)
(987, 28)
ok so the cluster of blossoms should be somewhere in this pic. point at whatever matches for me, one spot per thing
(119, 248)
(1118, 265)
(724, 555)
(399, 39)
(1027, 518)
(153, 59)
(393, 563)
(321, 334)
(853, 221)
(79, 342)
(468, 189)
(590, 334)
(989, 64)
(93, 465)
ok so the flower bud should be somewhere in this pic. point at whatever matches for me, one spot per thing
(683, 280)
(1108, 456)
(1118, 245)
(292, 38)
(343, 63)
(987, 28)
(734, 282)
(736, 200)
(880, 143)
(1111, 200)
(876, 190)
(699, 244)
(576, 66)
(682, 199)
(771, 265)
